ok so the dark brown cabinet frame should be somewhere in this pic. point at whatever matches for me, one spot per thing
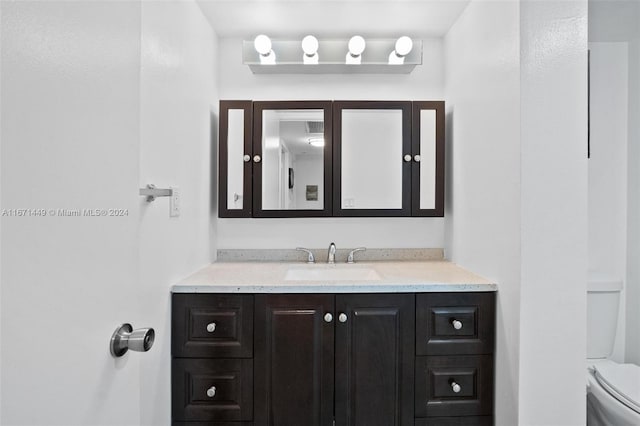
(258, 108)
(252, 175)
(338, 106)
(418, 106)
(223, 167)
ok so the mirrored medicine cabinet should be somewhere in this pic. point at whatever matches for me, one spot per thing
(331, 158)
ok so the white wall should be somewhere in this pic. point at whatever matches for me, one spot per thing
(70, 130)
(553, 46)
(309, 171)
(612, 22)
(178, 103)
(99, 99)
(483, 170)
(237, 82)
(608, 169)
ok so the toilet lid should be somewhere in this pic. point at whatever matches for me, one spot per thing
(622, 381)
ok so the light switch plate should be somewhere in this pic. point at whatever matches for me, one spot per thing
(174, 203)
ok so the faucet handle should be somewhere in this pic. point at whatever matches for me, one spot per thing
(310, 258)
(350, 257)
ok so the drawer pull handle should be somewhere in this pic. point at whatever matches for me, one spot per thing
(328, 317)
(211, 392)
(455, 387)
(342, 317)
(211, 327)
(456, 324)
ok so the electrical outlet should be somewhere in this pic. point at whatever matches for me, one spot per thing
(174, 203)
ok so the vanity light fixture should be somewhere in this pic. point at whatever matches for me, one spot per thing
(319, 142)
(262, 44)
(312, 55)
(356, 47)
(402, 48)
(310, 48)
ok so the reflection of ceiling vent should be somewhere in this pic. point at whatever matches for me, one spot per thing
(315, 126)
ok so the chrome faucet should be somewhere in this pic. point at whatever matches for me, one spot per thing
(331, 256)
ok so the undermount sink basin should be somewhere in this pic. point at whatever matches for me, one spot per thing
(331, 273)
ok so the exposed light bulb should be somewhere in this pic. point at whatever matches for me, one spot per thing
(357, 45)
(310, 45)
(262, 44)
(310, 49)
(403, 46)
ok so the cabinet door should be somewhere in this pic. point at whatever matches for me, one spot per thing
(372, 158)
(375, 349)
(427, 171)
(292, 158)
(293, 360)
(235, 159)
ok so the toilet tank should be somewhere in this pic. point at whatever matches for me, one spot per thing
(603, 298)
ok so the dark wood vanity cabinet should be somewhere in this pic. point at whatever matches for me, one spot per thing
(333, 359)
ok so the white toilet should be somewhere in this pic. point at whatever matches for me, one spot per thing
(613, 389)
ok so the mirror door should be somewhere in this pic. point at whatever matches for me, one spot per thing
(372, 158)
(235, 159)
(292, 159)
(427, 174)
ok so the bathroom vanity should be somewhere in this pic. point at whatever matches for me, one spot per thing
(376, 344)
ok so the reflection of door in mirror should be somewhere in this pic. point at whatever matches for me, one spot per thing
(292, 144)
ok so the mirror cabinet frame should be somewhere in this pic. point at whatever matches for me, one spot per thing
(258, 108)
(252, 171)
(438, 107)
(223, 154)
(405, 107)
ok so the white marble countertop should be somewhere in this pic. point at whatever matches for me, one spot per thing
(362, 277)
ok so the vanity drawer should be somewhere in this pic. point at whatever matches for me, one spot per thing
(455, 323)
(454, 386)
(206, 390)
(212, 325)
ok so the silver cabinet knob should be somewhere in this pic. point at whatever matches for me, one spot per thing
(456, 324)
(407, 158)
(342, 317)
(211, 392)
(256, 158)
(416, 158)
(246, 158)
(455, 387)
(211, 327)
(328, 317)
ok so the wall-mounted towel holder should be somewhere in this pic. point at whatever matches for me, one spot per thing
(151, 192)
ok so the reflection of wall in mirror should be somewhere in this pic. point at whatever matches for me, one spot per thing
(309, 171)
(270, 162)
(371, 159)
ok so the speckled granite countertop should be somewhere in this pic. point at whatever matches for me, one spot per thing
(361, 277)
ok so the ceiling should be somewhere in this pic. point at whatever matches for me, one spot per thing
(332, 18)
